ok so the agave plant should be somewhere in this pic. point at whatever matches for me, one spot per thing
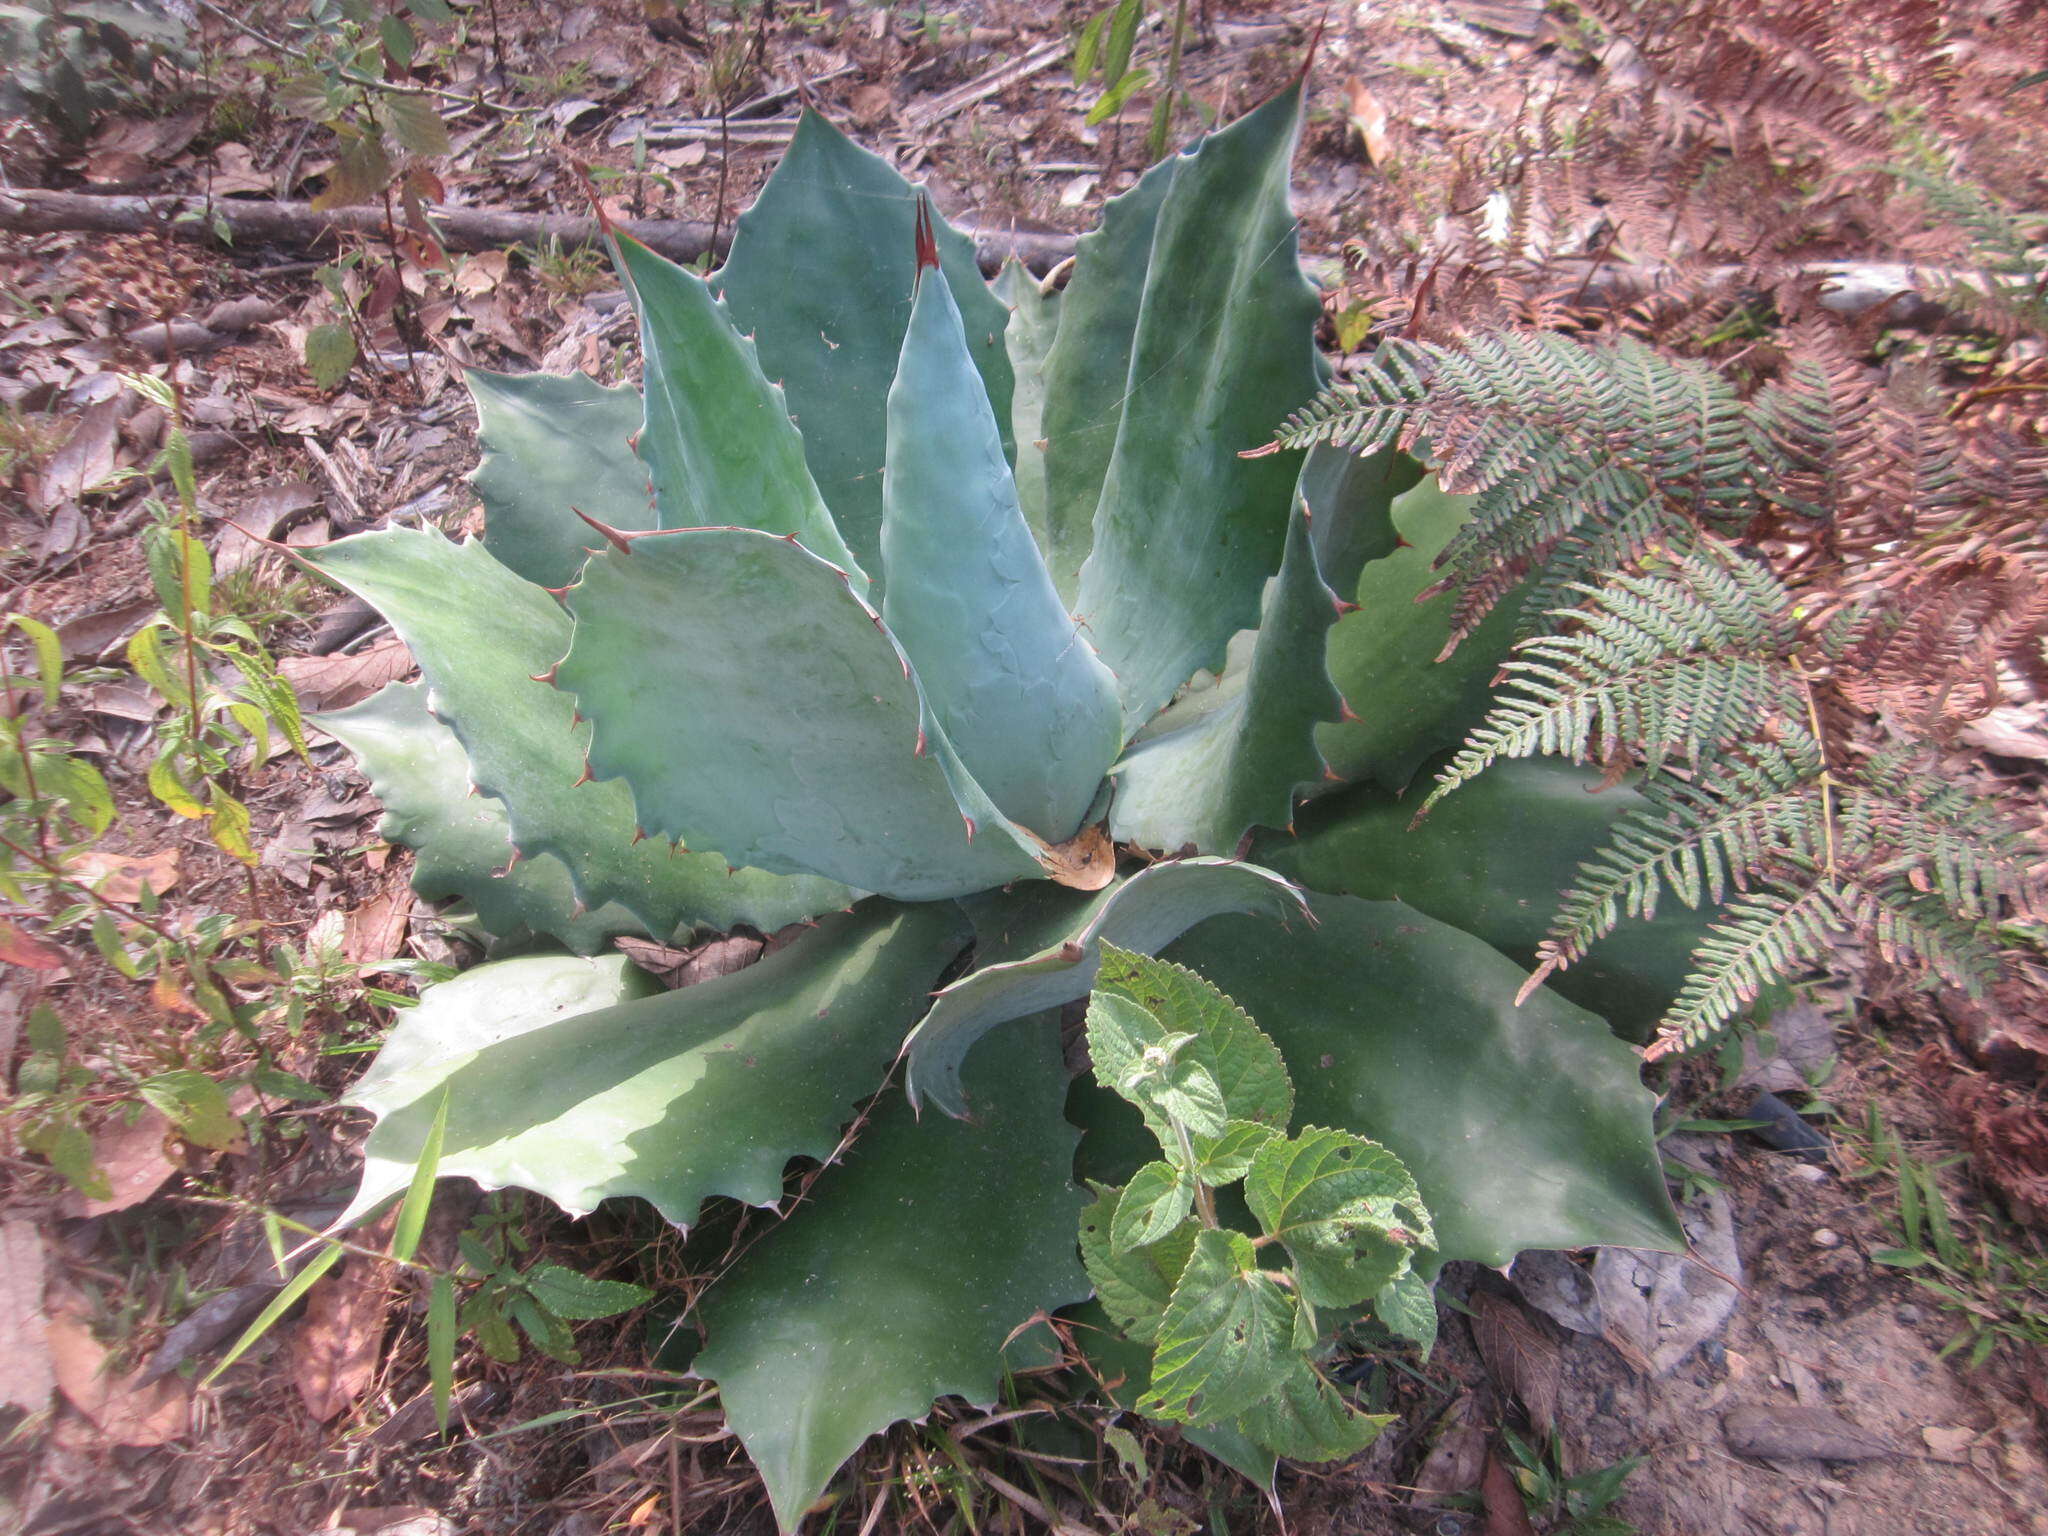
(952, 622)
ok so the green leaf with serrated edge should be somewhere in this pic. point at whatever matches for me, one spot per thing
(1523, 1127)
(330, 354)
(1492, 860)
(1136, 1284)
(1034, 320)
(719, 444)
(567, 1293)
(1153, 1204)
(1384, 657)
(1227, 1158)
(1345, 1209)
(878, 1295)
(558, 1084)
(1407, 1305)
(1235, 754)
(196, 1104)
(1064, 934)
(462, 841)
(1351, 508)
(1228, 1337)
(820, 276)
(1124, 1369)
(1223, 348)
(1137, 1056)
(790, 733)
(553, 443)
(1240, 1058)
(481, 635)
(1306, 1418)
(1018, 690)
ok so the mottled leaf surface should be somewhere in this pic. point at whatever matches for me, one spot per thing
(1186, 531)
(718, 440)
(461, 841)
(1141, 913)
(759, 708)
(1019, 691)
(673, 1097)
(1229, 1335)
(1233, 755)
(900, 1280)
(820, 275)
(481, 635)
(1523, 1127)
(553, 442)
(1492, 860)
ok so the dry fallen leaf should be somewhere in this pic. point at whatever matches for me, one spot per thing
(124, 1412)
(120, 876)
(335, 1347)
(131, 1154)
(87, 457)
(20, 947)
(335, 682)
(1520, 1357)
(1369, 118)
(29, 1376)
(376, 929)
(1506, 1514)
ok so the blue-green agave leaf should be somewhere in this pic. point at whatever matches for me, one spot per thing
(820, 275)
(1034, 320)
(462, 841)
(759, 708)
(1524, 1127)
(719, 443)
(1142, 913)
(1234, 755)
(1351, 508)
(1408, 704)
(562, 1079)
(1187, 531)
(1492, 860)
(553, 442)
(483, 637)
(1020, 693)
(902, 1277)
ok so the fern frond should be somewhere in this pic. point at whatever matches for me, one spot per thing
(1769, 934)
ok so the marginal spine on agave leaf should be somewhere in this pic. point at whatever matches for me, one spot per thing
(927, 243)
(612, 536)
(549, 675)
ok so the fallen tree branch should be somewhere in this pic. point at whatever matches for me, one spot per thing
(1851, 287)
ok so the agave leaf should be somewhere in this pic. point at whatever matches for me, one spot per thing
(820, 275)
(557, 1083)
(1061, 941)
(463, 843)
(1523, 1127)
(1034, 319)
(719, 443)
(901, 1279)
(1351, 508)
(1233, 755)
(1409, 705)
(552, 442)
(1186, 531)
(757, 706)
(1020, 693)
(481, 636)
(1491, 860)
(1088, 368)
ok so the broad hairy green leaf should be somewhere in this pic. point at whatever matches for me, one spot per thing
(1153, 1205)
(902, 1277)
(1383, 658)
(481, 636)
(759, 708)
(1345, 1209)
(1018, 690)
(1492, 860)
(1407, 1305)
(1133, 1284)
(1059, 936)
(553, 443)
(1222, 348)
(563, 1080)
(1124, 1367)
(1034, 321)
(820, 276)
(1231, 1334)
(718, 440)
(1522, 1127)
(1307, 1418)
(1233, 755)
(461, 840)
(1138, 1057)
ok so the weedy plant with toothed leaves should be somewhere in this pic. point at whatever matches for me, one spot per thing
(948, 620)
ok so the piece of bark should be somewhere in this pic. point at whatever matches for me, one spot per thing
(1781, 1433)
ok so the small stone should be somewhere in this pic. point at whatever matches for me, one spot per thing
(1715, 1353)
(1812, 1173)
(1908, 1313)
(1826, 1237)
